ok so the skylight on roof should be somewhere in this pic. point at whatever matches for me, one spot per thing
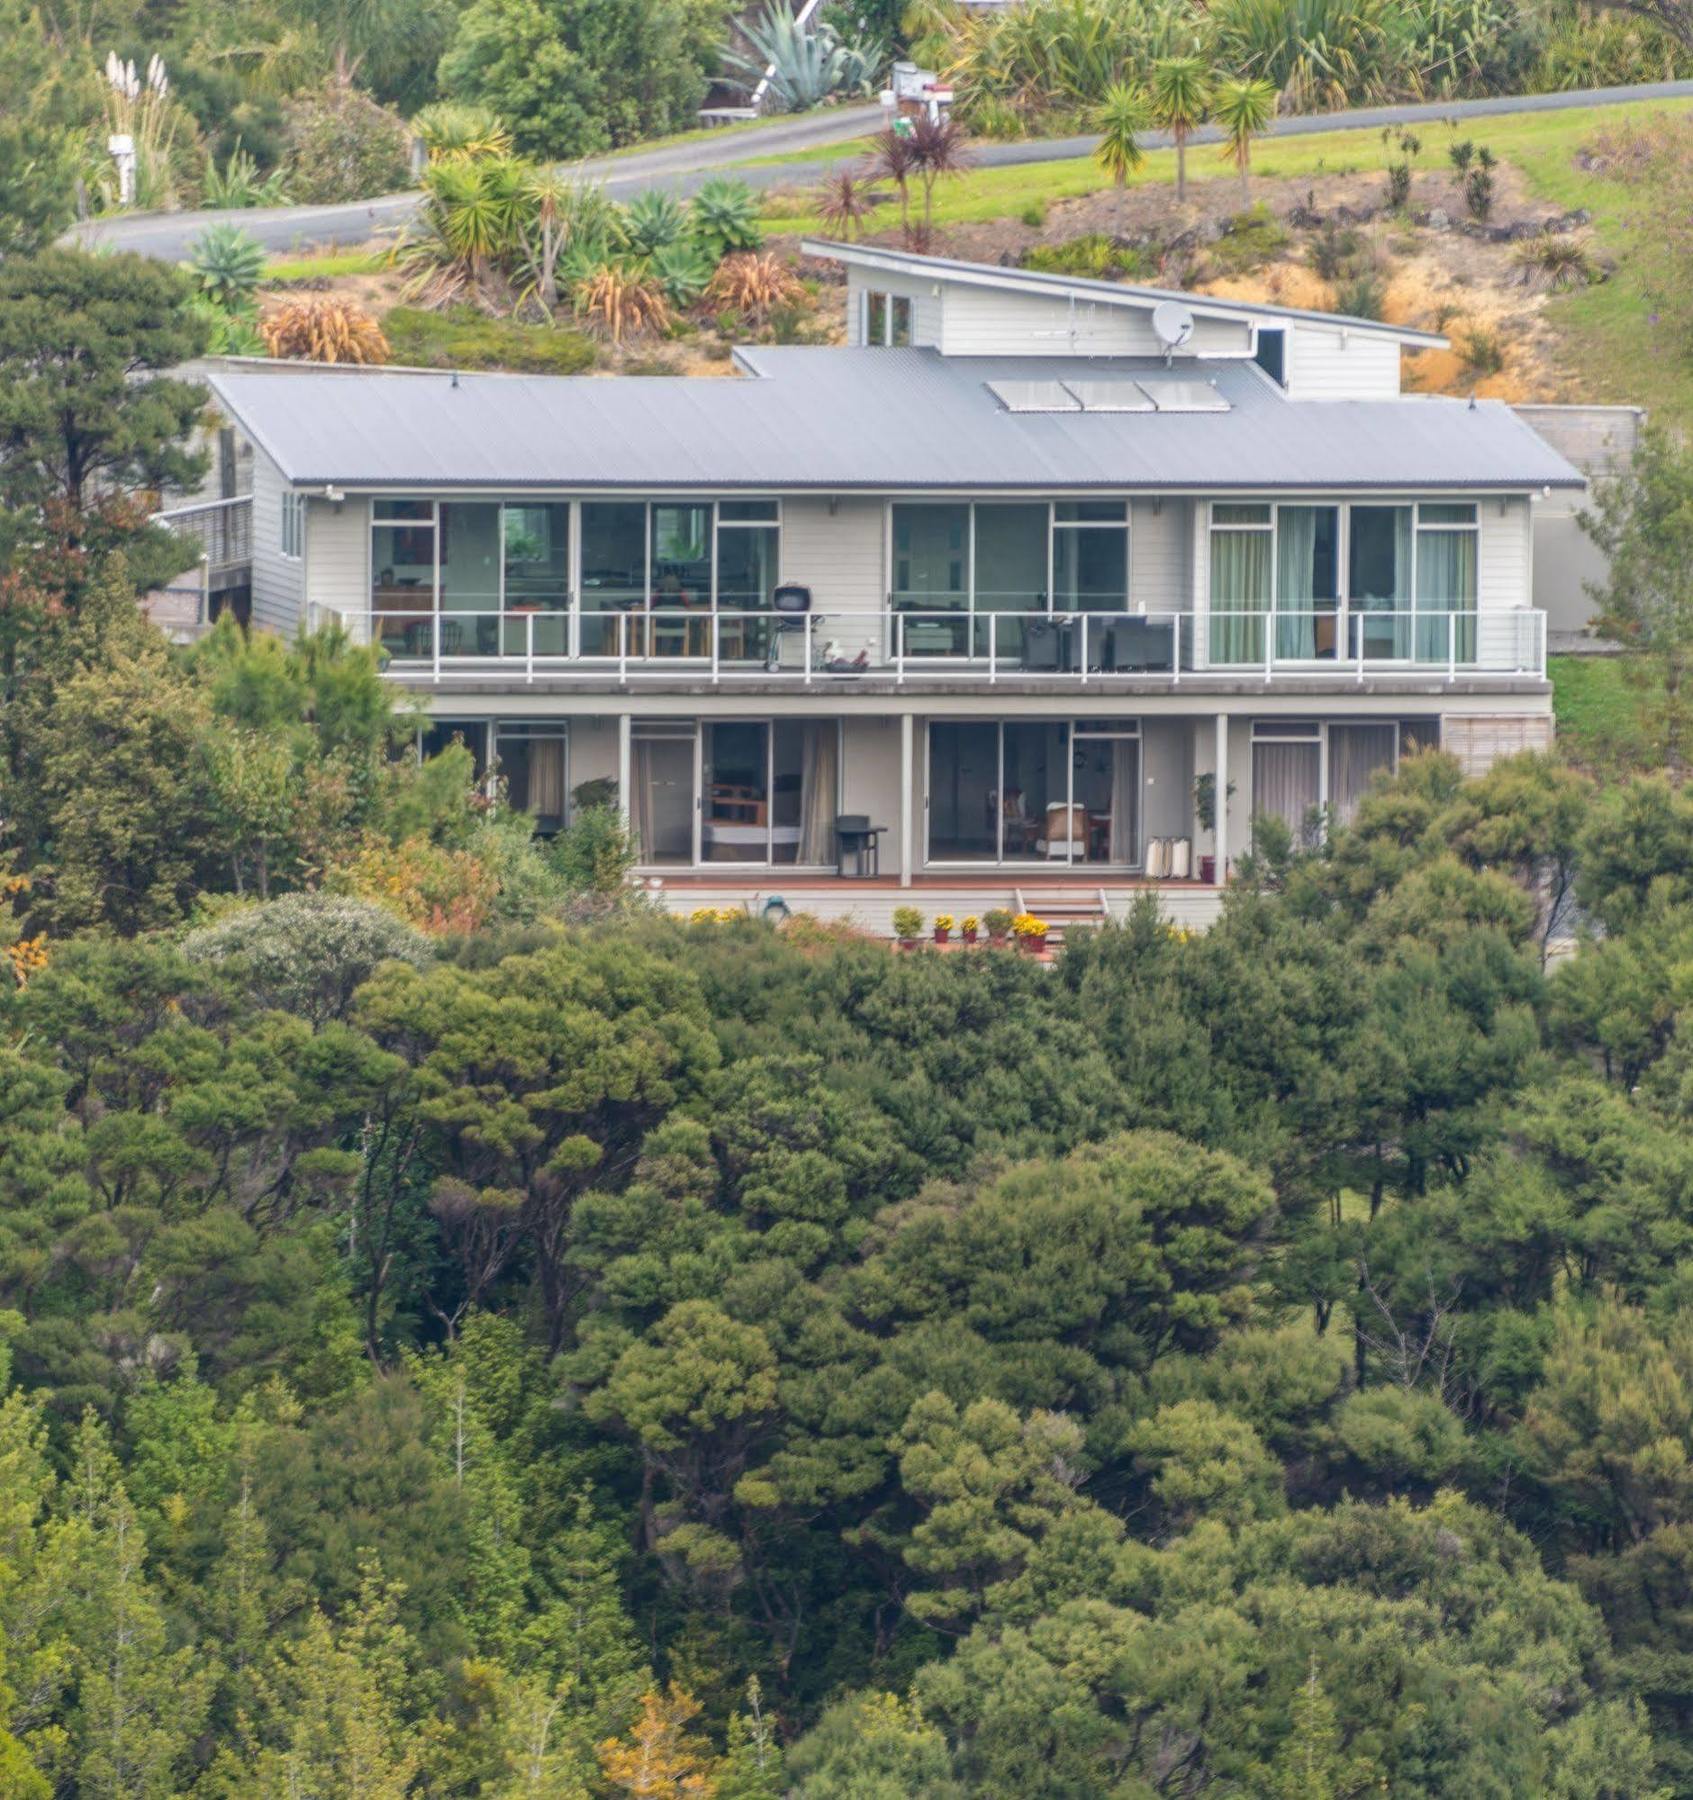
(1034, 396)
(1184, 396)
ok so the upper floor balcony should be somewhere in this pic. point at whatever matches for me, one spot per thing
(907, 643)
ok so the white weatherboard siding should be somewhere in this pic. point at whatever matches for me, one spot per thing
(1160, 551)
(1341, 365)
(278, 580)
(1479, 740)
(836, 549)
(339, 535)
(991, 322)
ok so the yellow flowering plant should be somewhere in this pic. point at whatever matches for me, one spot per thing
(1026, 925)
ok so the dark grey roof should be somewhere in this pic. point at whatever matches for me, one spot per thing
(837, 420)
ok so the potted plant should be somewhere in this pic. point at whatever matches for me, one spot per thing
(998, 922)
(1031, 933)
(943, 927)
(971, 922)
(908, 926)
(1205, 816)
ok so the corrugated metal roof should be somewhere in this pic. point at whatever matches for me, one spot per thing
(839, 420)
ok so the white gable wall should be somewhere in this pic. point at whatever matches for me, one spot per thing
(278, 581)
(996, 322)
(1331, 364)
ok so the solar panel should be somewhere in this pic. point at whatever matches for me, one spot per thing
(1034, 396)
(1110, 396)
(1184, 396)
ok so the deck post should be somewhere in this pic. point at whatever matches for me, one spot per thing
(625, 766)
(1220, 804)
(906, 769)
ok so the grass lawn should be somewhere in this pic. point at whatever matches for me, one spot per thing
(1600, 710)
(335, 262)
(1614, 351)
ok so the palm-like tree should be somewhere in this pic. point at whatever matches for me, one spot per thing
(1120, 119)
(845, 200)
(1181, 103)
(891, 159)
(1243, 108)
(939, 147)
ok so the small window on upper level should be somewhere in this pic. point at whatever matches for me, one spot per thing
(1271, 354)
(293, 532)
(887, 320)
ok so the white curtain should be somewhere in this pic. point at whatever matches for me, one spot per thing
(819, 785)
(1296, 581)
(546, 777)
(641, 800)
(1285, 783)
(1125, 783)
(1356, 752)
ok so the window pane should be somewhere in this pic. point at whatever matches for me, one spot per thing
(614, 570)
(404, 509)
(762, 511)
(402, 587)
(1090, 570)
(931, 574)
(1446, 512)
(470, 577)
(899, 320)
(747, 562)
(1379, 579)
(875, 319)
(536, 542)
(1307, 580)
(532, 763)
(736, 815)
(1239, 512)
(681, 552)
(963, 792)
(1240, 595)
(1011, 558)
(1090, 511)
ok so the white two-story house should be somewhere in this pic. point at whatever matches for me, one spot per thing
(1008, 580)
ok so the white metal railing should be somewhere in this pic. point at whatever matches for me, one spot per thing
(903, 642)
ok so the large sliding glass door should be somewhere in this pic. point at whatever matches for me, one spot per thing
(1007, 579)
(1044, 792)
(761, 792)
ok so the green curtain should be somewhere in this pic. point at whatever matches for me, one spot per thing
(1296, 581)
(1446, 583)
(1240, 585)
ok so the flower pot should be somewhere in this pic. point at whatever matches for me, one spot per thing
(908, 943)
(942, 934)
(997, 938)
(1208, 870)
(969, 934)
(1032, 944)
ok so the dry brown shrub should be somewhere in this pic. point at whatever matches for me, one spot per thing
(752, 283)
(324, 328)
(622, 304)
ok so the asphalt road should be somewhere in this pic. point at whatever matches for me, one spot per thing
(682, 167)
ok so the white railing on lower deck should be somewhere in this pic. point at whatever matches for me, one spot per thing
(669, 644)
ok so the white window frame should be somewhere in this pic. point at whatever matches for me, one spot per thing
(894, 307)
(291, 530)
(1343, 557)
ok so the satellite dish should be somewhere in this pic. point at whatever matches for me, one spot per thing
(1172, 324)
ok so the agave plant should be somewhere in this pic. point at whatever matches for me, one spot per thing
(806, 65)
(653, 220)
(682, 270)
(455, 130)
(227, 261)
(723, 218)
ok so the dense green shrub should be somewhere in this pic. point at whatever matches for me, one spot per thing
(342, 146)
